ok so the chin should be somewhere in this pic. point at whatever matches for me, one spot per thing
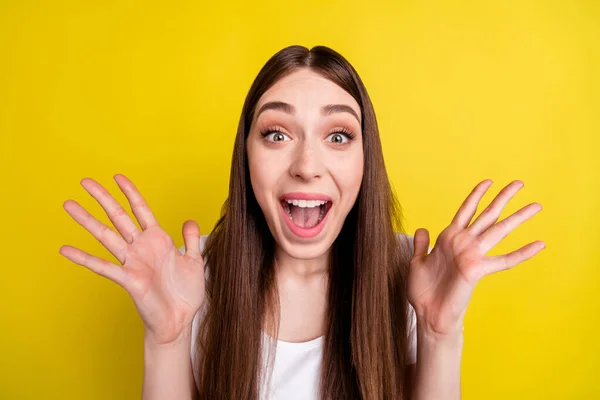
(306, 251)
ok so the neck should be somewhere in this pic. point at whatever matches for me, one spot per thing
(287, 266)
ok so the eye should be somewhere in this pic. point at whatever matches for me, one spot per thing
(274, 135)
(341, 136)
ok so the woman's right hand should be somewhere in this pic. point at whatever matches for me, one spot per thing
(166, 287)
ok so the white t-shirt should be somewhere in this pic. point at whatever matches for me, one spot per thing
(297, 366)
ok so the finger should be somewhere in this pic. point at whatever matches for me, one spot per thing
(490, 215)
(139, 207)
(469, 206)
(117, 214)
(110, 239)
(507, 261)
(95, 264)
(191, 238)
(421, 243)
(499, 231)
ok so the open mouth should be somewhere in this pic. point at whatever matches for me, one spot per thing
(306, 213)
(305, 218)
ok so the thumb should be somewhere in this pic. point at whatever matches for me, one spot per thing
(421, 243)
(191, 238)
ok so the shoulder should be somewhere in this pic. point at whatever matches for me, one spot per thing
(406, 243)
(403, 237)
(409, 240)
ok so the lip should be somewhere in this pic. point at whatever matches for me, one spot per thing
(305, 196)
(303, 232)
(297, 230)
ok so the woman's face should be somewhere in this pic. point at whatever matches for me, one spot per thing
(305, 155)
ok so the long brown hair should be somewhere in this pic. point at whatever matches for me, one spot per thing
(365, 339)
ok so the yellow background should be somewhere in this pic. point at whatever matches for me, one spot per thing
(464, 90)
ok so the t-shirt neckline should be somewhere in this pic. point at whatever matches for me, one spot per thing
(316, 342)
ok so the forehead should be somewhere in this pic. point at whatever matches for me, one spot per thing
(307, 89)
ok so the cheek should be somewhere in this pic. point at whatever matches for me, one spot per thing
(264, 174)
(348, 173)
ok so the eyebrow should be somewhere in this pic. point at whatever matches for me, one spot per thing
(290, 109)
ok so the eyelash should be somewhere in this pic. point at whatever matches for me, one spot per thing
(342, 131)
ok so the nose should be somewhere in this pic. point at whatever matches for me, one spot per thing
(307, 162)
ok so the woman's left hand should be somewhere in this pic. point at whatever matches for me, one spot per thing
(440, 283)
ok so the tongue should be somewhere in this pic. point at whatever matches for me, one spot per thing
(305, 217)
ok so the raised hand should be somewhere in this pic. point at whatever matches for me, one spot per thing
(166, 287)
(440, 284)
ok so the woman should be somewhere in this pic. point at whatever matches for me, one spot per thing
(305, 252)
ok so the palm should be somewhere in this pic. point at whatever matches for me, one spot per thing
(440, 284)
(166, 287)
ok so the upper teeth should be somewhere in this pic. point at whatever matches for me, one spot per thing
(306, 203)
